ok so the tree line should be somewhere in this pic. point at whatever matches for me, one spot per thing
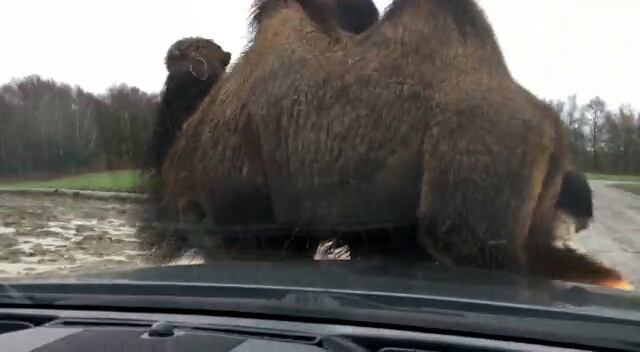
(50, 128)
(601, 139)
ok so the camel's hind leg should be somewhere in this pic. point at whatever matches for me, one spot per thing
(479, 192)
(561, 263)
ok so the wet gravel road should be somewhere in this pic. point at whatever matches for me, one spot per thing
(614, 236)
(64, 234)
(39, 234)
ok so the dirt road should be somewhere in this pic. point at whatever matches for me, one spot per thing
(65, 234)
(614, 236)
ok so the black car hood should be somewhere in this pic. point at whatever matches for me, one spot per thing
(379, 279)
(424, 297)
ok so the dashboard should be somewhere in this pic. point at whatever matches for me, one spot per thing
(49, 330)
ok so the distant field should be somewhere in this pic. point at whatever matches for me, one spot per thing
(115, 181)
(619, 178)
(635, 189)
(132, 181)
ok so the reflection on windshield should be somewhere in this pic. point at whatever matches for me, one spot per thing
(338, 133)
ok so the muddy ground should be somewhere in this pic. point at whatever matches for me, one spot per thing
(614, 236)
(63, 234)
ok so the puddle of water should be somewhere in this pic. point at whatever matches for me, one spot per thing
(56, 230)
(9, 269)
(56, 223)
(128, 231)
(87, 222)
(48, 243)
(89, 259)
(132, 252)
(6, 230)
(116, 258)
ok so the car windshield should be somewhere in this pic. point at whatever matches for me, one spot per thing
(436, 145)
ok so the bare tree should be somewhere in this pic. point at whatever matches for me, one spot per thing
(125, 122)
(595, 112)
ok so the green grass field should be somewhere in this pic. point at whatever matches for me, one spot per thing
(617, 178)
(132, 181)
(635, 189)
(114, 181)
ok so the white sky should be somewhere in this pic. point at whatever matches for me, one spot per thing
(553, 47)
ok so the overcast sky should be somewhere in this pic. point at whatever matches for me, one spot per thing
(553, 47)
